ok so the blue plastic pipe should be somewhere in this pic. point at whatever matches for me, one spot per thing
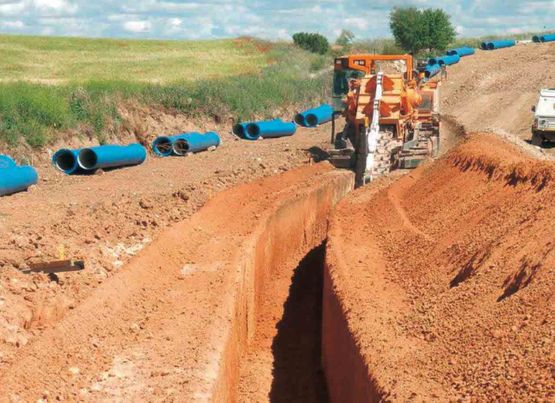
(464, 51)
(448, 60)
(66, 160)
(194, 142)
(240, 129)
(6, 161)
(547, 38)
(492, 45)
(431, 70)
(536, 38)
(314, 117)
(17, 178)
(111, 156)
(163, 146)
(271, 128)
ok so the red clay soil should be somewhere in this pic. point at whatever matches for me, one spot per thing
(106, 219)
(175, 321)
(440, 286)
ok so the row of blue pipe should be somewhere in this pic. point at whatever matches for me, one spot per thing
(72, 161)
(184, 143)
(14, 178)
(452, 56)
(278, 128)
(544, 38)
(492, 45)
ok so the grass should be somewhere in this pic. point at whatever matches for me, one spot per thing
(55, 60)
(36, 112)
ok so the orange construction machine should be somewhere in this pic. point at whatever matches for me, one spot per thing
(391, 114)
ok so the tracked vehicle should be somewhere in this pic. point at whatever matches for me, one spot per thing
(391, 115)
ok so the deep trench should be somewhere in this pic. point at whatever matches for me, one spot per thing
(293, 338)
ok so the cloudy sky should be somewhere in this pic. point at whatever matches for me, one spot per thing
(272, 19)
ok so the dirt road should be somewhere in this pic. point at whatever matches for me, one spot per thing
(495, 90)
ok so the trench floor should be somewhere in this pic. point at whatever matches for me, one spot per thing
(283, 363)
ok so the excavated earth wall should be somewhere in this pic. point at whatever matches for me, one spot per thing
(175, 322)
(440, 285)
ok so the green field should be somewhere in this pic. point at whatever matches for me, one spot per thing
(54, 60)
(51, 85)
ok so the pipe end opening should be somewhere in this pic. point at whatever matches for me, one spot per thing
(162, 146)
(87, 159)
(181, 147)
(311, 120)
(299, 119)
(253, 131)
(65, 161)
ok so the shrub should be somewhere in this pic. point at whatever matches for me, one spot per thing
(312, 42)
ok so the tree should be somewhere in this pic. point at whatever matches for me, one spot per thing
(415, 30)
(345, 39)
(312, 42)
(439, 31)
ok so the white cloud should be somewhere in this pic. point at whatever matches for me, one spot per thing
(13, 24)
(137, 26)
(272, 19)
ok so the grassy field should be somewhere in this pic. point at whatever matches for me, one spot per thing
(54, 60)
(50, 85)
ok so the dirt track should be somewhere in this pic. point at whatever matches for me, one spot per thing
(107, 219)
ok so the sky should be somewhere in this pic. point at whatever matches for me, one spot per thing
(270, 19)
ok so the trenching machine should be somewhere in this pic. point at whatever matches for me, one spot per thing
(391, 115)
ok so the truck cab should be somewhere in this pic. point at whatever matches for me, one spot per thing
(543, 128)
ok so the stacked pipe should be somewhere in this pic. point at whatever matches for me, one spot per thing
(72, 161)
(492, 45)
(314, 117)
(185, 143)
(14, 178)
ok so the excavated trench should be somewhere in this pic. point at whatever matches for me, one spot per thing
(225, 306)
(283, 363)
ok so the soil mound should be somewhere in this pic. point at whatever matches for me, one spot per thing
(445, 279)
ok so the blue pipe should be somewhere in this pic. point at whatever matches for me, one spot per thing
(6, 161)
(314, 117)
(194, 142)
(162, 146)
(492, 45)
(464, 51)
(111, 156)
(17, 178)
(240, 129)
(431, 70)
(271, 128)
(547, 38)
(536, 38)
(448, 60)
(66, 160)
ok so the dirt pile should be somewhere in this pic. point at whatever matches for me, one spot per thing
(446, 281)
